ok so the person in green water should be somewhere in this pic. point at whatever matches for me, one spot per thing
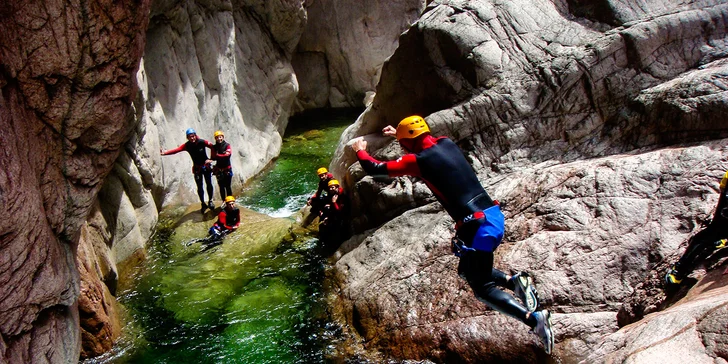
(318, 199)
(334, 227)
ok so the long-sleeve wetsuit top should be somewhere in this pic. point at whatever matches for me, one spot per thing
(338, 209)
(196, 150)
(443, 167)
(230, 219)
(323, 185)
(221, 153)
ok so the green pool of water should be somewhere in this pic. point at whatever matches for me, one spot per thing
(309, 143)
(256, 298)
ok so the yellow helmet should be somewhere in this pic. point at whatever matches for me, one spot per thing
(321, 171)
(411, 127)
(229, 199)
(218, 133)
(333, 182)
(724, 181)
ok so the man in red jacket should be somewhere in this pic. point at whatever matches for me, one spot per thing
(440, 163)
(228, 220)
(200, 165)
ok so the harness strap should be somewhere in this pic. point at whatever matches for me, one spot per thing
(474, 216)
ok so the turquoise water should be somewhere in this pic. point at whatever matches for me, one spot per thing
(256, 298)
(309, 143)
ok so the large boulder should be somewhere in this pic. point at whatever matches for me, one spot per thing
(67, 84)
(603, 140)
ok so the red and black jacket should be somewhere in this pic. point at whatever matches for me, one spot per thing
(323, 185)
(221, 153)
(443, 167)
(229, 219)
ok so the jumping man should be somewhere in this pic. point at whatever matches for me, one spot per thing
(479, 221)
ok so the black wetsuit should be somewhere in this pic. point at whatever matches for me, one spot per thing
(199, 168)
(223, 170)
(702, 244)
(334, 227)
(443, 167)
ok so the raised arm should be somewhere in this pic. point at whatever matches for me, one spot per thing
(173, 151)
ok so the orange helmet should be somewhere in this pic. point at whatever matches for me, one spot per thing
(229, 199)
(218, 133)
(411, 127)
(333, 182)
(321, 171)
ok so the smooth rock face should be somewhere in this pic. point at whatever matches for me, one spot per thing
(67, 84)
(341, 52)
(603, 141)
(218, 66)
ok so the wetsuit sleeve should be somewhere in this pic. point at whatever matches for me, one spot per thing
(340, 202)
(404, 166)
(221, 218)
(228, 152)
(175, 150)
(208, 144)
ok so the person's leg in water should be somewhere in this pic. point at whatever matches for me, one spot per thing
(701, 245)
(200, 191)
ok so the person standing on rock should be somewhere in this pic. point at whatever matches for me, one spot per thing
(222, 170)
(200, 164)
(479, 221)
(318, 199)
(704, 243)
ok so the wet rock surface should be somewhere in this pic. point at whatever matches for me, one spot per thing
(67, 80)
(603, 140)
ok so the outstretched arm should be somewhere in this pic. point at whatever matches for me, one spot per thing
(404, 166)
(172, 151)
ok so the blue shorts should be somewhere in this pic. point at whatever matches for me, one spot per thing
(490, 232)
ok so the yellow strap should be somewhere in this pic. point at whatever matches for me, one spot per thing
(724, 181)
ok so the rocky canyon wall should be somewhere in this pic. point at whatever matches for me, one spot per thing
(221, 65)
(600, 127)
(67, 80)
(339, 57)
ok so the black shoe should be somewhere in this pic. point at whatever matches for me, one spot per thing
(525, 291)
(210, 205)
(672, 277)
(544, 329)
(203, 208)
